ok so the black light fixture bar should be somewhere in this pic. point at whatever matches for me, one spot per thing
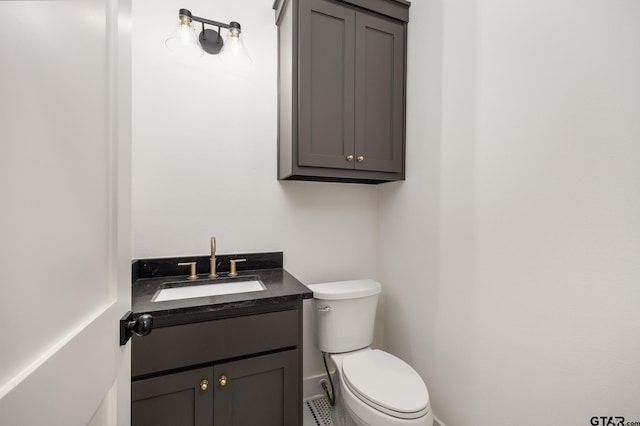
(183, 39)
(210, 40)
(210, 22)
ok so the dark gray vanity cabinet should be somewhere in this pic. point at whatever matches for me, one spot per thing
(342, 68)
(173, 399)
(255, 392)
(238, 371)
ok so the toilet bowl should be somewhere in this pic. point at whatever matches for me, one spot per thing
(379, 389)
(376, 388)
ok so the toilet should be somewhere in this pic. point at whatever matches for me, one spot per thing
(375, 387)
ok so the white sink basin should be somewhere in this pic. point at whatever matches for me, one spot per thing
(204, 290)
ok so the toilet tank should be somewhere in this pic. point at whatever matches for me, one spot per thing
(345, 313)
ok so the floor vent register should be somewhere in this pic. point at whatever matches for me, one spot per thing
(318, 413)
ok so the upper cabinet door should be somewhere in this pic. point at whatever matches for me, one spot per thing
(326, 98)
(379, 94)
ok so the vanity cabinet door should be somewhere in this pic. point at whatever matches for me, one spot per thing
(261, 390)
(184, 399)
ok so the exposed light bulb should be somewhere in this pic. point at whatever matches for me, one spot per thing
(233, 51)
(184, 40)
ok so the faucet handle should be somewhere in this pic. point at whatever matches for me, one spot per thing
(232, 262)
(192, 275)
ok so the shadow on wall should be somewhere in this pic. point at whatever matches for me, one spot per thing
(333, 229)
(426, 225)
(319, 197)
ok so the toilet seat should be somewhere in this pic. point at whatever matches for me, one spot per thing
(386, 383)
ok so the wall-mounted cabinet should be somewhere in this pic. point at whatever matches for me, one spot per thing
(341, 101)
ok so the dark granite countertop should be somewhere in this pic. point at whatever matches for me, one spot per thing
(151, 275)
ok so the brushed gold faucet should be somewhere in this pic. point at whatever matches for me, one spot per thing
(232, 263)
(193, 275)
(212, 260)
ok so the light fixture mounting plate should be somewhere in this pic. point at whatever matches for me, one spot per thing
(210, 41)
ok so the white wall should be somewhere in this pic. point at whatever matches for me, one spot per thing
(204, 159)
(519, 222)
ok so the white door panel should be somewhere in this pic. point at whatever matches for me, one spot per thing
(68, 384)
(64, 211)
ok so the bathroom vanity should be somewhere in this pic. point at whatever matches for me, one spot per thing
(231, 359)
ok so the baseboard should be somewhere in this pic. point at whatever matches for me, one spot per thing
(311, 388)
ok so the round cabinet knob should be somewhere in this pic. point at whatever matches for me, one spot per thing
(360, 158)
(223, 381)
(349, 157)
(204, 385)
(142, 326)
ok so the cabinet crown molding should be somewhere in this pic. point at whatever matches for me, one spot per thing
(397, 9)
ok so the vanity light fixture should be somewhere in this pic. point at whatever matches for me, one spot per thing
(183, 40)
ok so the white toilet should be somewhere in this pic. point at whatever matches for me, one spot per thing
(376, 388)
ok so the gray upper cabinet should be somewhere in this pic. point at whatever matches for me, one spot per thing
(341, 101)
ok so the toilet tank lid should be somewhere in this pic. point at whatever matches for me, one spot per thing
(352, 289)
